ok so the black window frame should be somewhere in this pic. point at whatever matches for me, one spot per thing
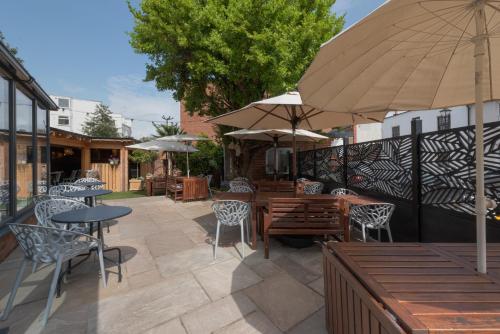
(396, 131)
(59, 120)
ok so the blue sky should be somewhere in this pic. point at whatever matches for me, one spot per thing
(81, 49)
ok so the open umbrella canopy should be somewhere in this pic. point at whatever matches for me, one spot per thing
(407, 55)
(415, 55)
(182, 138)
(281, 111)
(156, 145)
(277, 134)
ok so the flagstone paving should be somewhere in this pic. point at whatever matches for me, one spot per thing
(172, 284)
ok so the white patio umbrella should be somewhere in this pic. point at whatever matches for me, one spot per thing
(187, 140)
(156, 145)
(415, 55)
(288, 111)
(277, 135)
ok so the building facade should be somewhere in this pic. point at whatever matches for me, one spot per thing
(195, 124)
(24, 142)
(73, 113)
(399, 124)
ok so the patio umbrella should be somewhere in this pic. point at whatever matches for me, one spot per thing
(187, 140)
(415, 55)
(288, 111)
(276, 135)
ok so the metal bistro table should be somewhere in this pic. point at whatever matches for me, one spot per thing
(91, 216)
(88, 194)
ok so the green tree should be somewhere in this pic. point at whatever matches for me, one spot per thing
(142, 157)
(220, 55)
(208, 159)
(14, 51)
(169, 128)
(100, 124)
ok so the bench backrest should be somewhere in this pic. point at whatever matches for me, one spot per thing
(276, 186)
(303, 213)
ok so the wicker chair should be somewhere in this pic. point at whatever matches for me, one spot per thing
(343, 191)
(231, 213)
(46, 245)
(312, 188)
(372, 216)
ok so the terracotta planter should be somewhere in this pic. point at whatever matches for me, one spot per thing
(135, 185)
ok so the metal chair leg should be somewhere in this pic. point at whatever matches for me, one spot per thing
(242, 239)
(101, 263)
(17, 283)
(389, 234)
(364, 232)
(379, 235)
(52, 290)
(216, 240)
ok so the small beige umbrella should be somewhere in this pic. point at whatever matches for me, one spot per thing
(277, 135)
(288, 111)
(415, 55)
(187, 140)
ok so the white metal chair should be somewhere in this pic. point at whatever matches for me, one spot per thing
(46, 245)
(72, 176)
(302, 179)
(44, 211)
(45, 197)
(92, 173)
(343, 191)
(231, 213)
(84, 180)
(374, 216)
(312, 188)
(240, 187)
(241, 178)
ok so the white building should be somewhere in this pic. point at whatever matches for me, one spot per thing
(73, 113)
(399, 124)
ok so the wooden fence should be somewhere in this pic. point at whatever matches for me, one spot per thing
(110, 174)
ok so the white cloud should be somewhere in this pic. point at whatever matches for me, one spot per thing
(130, 96)
(341, 6)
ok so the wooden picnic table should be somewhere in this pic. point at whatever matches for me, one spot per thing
(259, 201)
(409, 288)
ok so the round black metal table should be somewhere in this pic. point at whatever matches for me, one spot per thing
(91, 216)
(88, 194)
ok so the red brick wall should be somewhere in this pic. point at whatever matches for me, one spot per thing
(195, 125)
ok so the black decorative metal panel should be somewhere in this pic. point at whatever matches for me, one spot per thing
(383, 166)
(448, 173)
(306, 164)
(330, 164)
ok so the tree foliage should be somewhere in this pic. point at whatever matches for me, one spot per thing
(100, 123)
(220, 55)
(208, 159)
(169, 128)
(14, 51)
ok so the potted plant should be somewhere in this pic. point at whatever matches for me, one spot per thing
(140, 157)
(136, 184)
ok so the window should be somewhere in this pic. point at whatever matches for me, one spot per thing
(24, 140)
(283, 154)
(63, 120)
(444, 120)
(4, 150)
(395, 131)
(63, 103)
(41, 167)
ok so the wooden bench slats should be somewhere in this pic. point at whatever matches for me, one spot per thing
(403, 264)
(482, 323)
(417, 278)
(453, 307)
(398, 258)
(447, 296)
(417, 271)
(441, 287)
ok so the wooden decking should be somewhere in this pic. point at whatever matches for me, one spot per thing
(410, 288)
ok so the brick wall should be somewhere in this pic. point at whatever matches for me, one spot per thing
(195, 125)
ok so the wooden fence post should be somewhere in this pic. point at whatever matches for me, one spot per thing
(416, 130)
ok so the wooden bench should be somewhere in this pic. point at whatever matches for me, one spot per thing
(156, 186)
(303, 216)
(275, 186)
(175, 187)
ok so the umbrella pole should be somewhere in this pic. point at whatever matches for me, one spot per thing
(276, 165)
(294, 144)
(187, 159)
(479, 53)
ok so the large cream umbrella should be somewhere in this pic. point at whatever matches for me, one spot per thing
(415, 55)
(288, 111)
(187, 139)
(277, 135)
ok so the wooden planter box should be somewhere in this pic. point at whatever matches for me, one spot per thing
(135, 184)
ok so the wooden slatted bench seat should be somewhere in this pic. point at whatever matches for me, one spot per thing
(302, 216)
(175, 187)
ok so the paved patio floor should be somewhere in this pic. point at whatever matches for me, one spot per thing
(171, 283)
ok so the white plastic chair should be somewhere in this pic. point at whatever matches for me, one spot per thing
(312, 188)
(372, 216)
(46, 245)
(343, 191)
(231, 213)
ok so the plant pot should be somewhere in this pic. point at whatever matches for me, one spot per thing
(135, 185)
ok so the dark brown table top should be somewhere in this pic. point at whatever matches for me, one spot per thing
(262, 198)
(428, 287)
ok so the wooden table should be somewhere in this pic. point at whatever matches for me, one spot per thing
(409, 288)
(259, 201)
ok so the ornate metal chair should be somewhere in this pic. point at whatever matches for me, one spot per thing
(92, 173)
(72, 176)
(312, 188)
(231, 213)
(62, 188)
(241, 178)
(45, 197)
(84, 180)
(239, 187)
(44, 211)
(372, 216)
(42, 187)
(343, 191)
(46, 245)
(302, 179)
